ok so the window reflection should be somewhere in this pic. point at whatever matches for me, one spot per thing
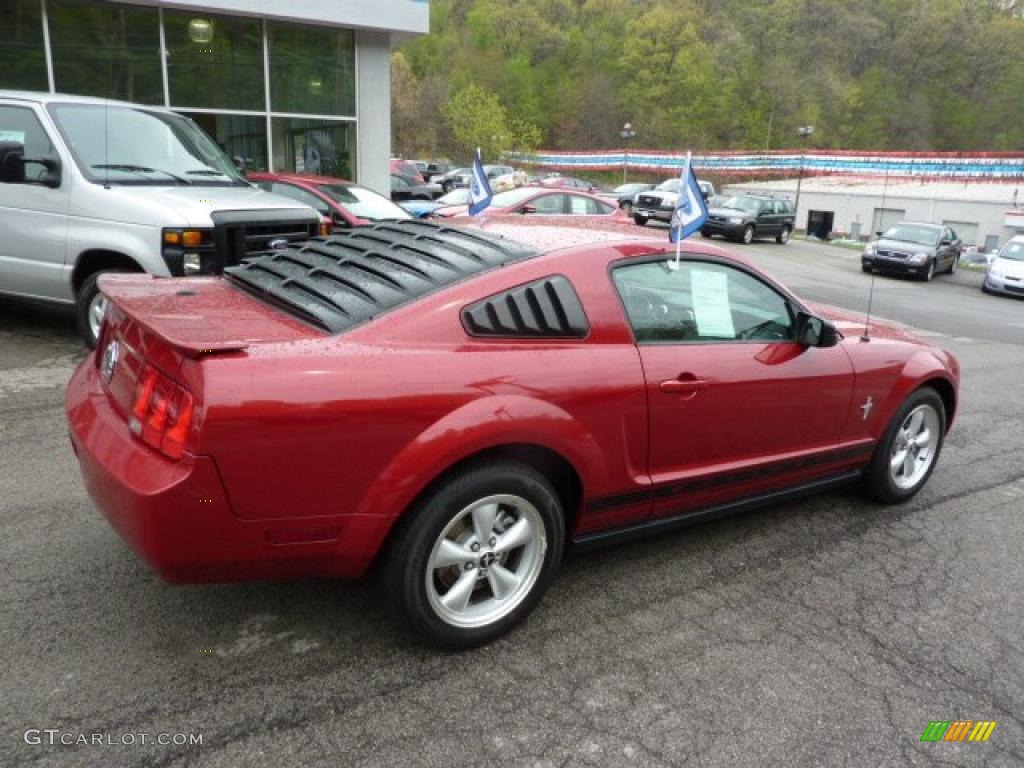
(22, 56)
(107, 50)
(322, 147)
(312, 70)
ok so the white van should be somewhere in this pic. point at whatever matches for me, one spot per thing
(90, 186)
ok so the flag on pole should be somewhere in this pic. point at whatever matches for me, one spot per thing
(479, 188)
(691, 211)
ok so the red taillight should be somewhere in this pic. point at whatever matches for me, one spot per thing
(162, 413)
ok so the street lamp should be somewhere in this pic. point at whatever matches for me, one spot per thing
(805, 132)
(626, 133)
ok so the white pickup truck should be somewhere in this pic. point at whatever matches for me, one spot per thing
(90, 186)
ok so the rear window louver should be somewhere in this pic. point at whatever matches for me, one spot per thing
(545, 308)
(340, 281)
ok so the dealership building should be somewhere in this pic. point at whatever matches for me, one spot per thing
(982, 213)
(285, 85)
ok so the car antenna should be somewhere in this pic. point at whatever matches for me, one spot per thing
(871, 291)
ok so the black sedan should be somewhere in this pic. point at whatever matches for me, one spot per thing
(915, 249)
(624, 194)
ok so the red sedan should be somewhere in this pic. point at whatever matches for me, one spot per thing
(459, 406)
(538, 200)
(339, 202)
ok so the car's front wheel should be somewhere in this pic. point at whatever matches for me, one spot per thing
(627, 208)
(640, 220)
(929, 271)
(748, 234)
(475, 557)
(909, 449)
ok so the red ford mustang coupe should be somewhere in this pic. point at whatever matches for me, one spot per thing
(457, 408)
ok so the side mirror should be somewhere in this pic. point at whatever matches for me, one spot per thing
(528, 209)
(12, 162)
(339, 221)
(945, 241)
(814, 331)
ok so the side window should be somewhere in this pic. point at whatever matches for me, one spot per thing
(303, 196)
(549, 203)
(20, 125)
(545, 308)
(765, 207)
(700, 302)
(578, 205)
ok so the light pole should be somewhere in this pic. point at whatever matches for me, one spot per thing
(626, 133)
(805, 132)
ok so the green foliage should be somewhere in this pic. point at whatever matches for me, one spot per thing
(719, 74)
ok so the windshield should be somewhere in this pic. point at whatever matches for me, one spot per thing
(909, 233)
(629, 189)
(1012, 251)
(512, 197)
(363, 203)
(458, 196)
(669, 185)
(130, 145)
(743, 204)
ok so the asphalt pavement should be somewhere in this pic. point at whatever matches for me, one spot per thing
(827, 632)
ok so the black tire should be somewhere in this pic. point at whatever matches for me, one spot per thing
(878, 481)
(864, 268)
(408, 556)
(952, 266)
(640, 220)
(706, 233)
(748, 234)
(447, 186)
(84, 305)
(783, 237)
(929, 273)
(627, 208)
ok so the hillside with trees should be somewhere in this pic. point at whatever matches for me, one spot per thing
(712, 75)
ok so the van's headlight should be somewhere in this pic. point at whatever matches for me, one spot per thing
(188, 251)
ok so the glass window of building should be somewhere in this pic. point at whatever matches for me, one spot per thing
(322, 147)
(312, 70)
(106, 49)
(214, 62)
(243, 137)
(22, 56)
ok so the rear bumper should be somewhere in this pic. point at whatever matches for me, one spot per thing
(177, 515)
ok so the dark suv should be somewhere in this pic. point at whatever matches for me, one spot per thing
(745, 217)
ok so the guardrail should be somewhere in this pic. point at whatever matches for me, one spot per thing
(935, 166)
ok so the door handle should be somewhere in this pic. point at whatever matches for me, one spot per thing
(682, 386)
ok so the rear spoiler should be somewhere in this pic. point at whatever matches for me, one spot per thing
(180, 312)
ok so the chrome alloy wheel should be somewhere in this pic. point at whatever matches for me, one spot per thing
(486, 561)
(914, 449)
(97, 309)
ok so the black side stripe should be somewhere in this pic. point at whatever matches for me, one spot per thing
(735, 477)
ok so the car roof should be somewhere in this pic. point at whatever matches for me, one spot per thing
(928, 224)
(307, 178)
(41, 97)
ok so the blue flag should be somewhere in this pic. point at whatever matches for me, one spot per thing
(479, 188)
(691, 211)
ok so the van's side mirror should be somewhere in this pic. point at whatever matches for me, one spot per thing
(814, 331)
(13, 162)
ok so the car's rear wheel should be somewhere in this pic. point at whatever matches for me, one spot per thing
(952, 266)
(748, 234)
(906, 455)
(475, 557)
(641, 220)
(783, 237)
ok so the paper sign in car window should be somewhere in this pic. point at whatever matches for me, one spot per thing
(16, 136)
(710, 291)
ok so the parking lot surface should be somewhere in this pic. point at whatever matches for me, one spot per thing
(827, 632)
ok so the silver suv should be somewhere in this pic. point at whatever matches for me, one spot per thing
(90, 186)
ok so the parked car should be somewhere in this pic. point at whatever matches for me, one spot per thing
(1005, 273)
(745, 218)
(405, 188)
(456, 408)
(408, 169)
(660, 202)
(625, 194)
(461, 177)
(339, 202)
(913, 248)
(434, 170)
(89, 186)
(420, 209)
(538, 200)
(568, 182)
